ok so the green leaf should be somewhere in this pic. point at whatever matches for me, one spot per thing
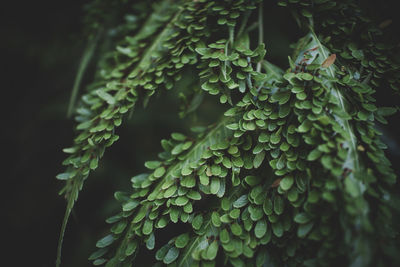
(306, 13)
(236, 229)
(98, 253)
(225, 218)
(63, 176)
(140, 215)
(152, 164)
(162, 222)
(286, 183)
(150, 243)
(204, 179)
(121, 196)
(186, 170)
(386, 111)
(215, 219)
(275, 138)
(138, 180)
(224, 236)
(358, 54)
(160, 254)
(130, 205)
(281, 97)
(268, 206)
(181, 201)
(178, 137)
(194, 195)
(171, 255)
(197, 222)
(227, 163)
(306, 76)
(256, 212)
(263, 137)
(314, 155)
(94, 163)
(302, 218)
(204, 51)
(182, 240)
(232, 126)
(99, 262)
(105, 96)
(260, 229)
(131, 248)
(147, 227)
(278, 205)
(177, 149)
(105, 241)
(277, 229)
(241, 201)
(170, 191)
(216, 170)
(258, 159)
(159, 172)
(304, 229)
(235, 213)
(231, 112)
(352, 187)
(253, 180)
(215, 185)
(305, 126)
(174, 214)
(242, 62)
(225, 204)
(212, 250)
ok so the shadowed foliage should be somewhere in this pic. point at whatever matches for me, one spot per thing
(280, 163)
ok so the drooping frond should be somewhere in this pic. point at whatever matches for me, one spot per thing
(293, 173)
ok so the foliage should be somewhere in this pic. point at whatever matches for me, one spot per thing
(295, 171)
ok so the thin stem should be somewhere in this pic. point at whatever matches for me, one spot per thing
(230, 44)
(68, 210)
(85, 60)
(252, 27)
(243, 25)
(231, 35)
(260, 31)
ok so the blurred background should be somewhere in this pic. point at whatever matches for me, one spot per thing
(41, 44)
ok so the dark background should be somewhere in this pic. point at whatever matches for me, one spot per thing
(41, 44)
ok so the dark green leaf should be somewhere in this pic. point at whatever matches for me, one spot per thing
(304, 229)
(258, 159)
(105, 241)
(302, 218)
(151, 242)
(260, 228)
(171, 255)
(240, 202)
(197, 222)
(182, 240)
(286, 183)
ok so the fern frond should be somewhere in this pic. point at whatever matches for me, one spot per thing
(162, 180)
(108, 104)
(96, 128)
(295, 168)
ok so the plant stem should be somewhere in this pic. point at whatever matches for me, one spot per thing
(243, 25)
(85, 60)
(260, 31)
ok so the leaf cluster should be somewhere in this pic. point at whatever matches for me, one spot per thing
(293, 174)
